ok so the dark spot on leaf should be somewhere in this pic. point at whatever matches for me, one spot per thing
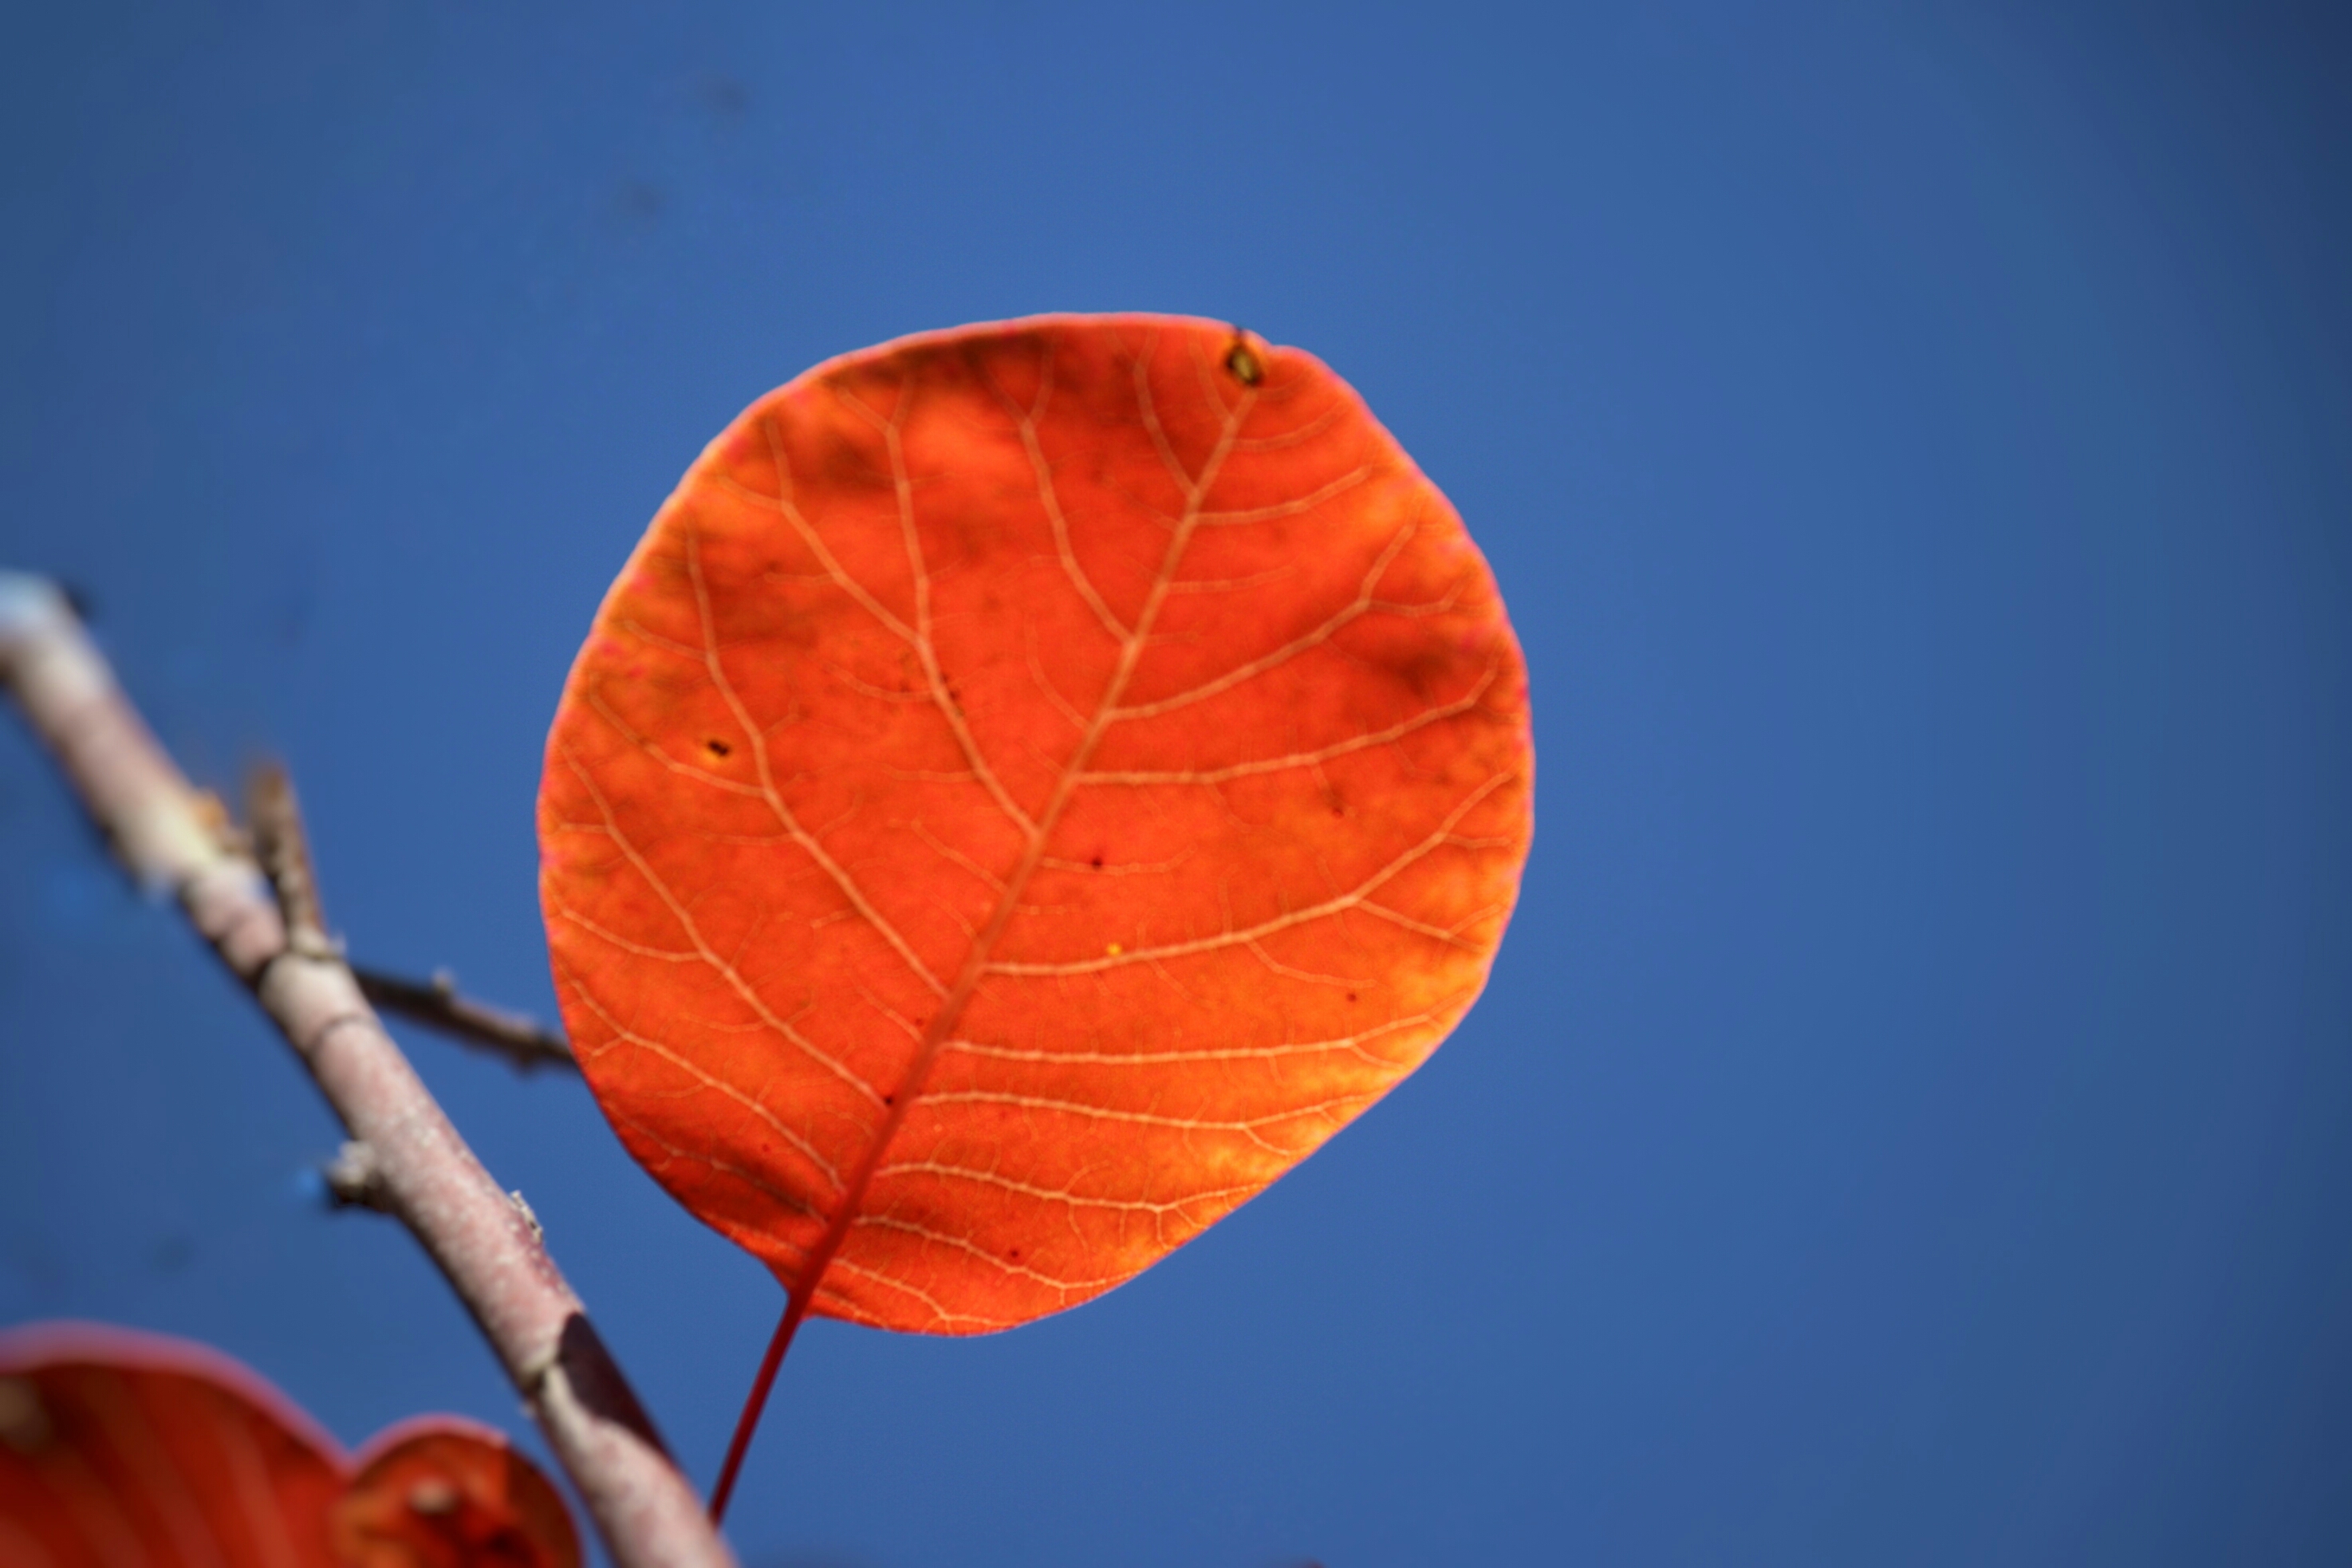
(1243, 361)
(719, 748)
(889, 1100)
(1351, 996)
(1015, 1253)
(1097, 862)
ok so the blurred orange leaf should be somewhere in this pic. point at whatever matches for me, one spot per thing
(442, 1493)
(121, 1447)
(1031, 786)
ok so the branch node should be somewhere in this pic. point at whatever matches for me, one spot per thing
(217, 819)
(355, 1179)
(531, 1375)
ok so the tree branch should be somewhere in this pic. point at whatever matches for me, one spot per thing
(415, 1167)
(436, 1003)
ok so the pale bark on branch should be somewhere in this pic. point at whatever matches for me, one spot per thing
(175, 840)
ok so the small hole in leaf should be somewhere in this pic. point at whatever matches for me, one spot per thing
(1243, 361)
(719, 748)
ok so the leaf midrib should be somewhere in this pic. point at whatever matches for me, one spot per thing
(959, 993)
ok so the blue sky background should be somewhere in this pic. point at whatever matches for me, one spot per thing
(1912, 1119)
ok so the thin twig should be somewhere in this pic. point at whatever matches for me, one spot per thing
(283, 848)
(486, 1246)
(522, 1039)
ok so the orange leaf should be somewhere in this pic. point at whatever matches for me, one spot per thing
(439, 1492)
(121, 1447)
(118, 1448)
(1031, 786)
